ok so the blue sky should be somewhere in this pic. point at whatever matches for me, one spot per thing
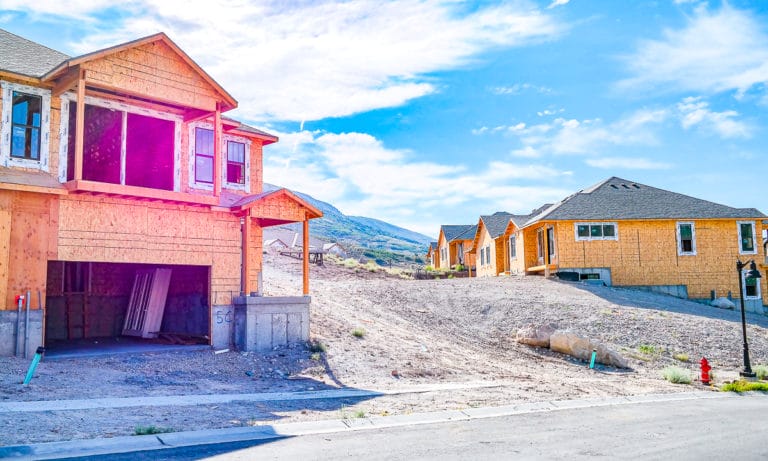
(434, 112)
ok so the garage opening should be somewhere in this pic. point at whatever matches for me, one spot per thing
(113, 307)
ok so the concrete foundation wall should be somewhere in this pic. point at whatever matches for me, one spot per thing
(262, 323)
(9, 341)
(222, 326)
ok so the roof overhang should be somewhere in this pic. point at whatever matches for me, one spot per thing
(277, 207)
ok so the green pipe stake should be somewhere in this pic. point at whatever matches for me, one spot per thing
(592, 360)
(32, 366)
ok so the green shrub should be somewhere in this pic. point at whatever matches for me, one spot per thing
(350, 263)
(681, 357)
(647, 349)
(761, 371)
(744, 386)
(429, 268)
(316, 345)
(676, 375)
(358, 332)
(149, 430)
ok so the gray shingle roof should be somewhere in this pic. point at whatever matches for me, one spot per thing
(617, 199)
(454, 231)
(496, 223)
(21, 56)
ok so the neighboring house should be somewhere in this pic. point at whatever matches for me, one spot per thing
(335, 248)
(275, 245)
(515, 243)
(451, 242)
(120, 162)
(489, 244)
(626, 233)
(433, 255)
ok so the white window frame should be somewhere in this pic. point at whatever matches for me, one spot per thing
(758, 295)
(512, 247)
(680, 251)
(177, 120)
(754, 237)
(590, 238)
(223, 167)
(487, 255)
(6, 122)
(482, 257)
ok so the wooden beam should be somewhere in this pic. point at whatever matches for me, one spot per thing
(195, 115)
(305, 259)
(245, 282)
(80, 126)
(66, 82)
(217, 139)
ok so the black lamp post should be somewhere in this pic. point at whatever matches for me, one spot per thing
(752, 274)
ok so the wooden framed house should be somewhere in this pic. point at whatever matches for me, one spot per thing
(489, 244)
(451, 242)
(121, 162)
(621, 232)
(433, 256)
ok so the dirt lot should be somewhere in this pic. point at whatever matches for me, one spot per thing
(428, 332)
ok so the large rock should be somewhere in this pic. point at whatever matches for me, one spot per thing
(723, 303)
(570, 343)
(535, 335)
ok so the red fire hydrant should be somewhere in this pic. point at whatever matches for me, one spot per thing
(705, 370)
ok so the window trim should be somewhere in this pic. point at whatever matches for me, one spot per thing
(6, 123)
(680, 251)
(66, 98)
(488, 255)
(758, 295)
(482, 257)
(597, 223)
(512, 247)
(226, 137)
(754, 237)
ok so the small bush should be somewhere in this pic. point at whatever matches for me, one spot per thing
(350, 263)
(676, 375)
(359, 414)
(315, 356)
(459, 268)
(647, 349)
(316, 346)
(358, 332)
(744, 386)
(429, 268)
(761, 371)
(149, 430)
(681, 357)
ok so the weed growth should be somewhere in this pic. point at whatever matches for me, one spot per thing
(681, 357)
(149, 430)
(744, 386)
(676, 375)
(358, 332)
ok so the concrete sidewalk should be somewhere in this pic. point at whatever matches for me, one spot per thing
(105, 446)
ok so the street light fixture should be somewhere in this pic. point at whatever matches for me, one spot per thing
(752, 274)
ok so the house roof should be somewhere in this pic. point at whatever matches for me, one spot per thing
(25, 57)
(250, 200)
(454, 231)
(496, 223)
(617, 199)
(240, 126)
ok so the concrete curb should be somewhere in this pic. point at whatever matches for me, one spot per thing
(116, 445)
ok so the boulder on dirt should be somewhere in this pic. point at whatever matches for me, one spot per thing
(570, 343)
(535, 335)
(723, 303)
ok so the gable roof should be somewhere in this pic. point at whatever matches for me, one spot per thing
(496, 223)
(25, 57)
(617, 199)
(455, 231)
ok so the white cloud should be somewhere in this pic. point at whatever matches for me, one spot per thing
(716, 51)
(611, 163)
(314, 60)
(556, 3)
(526, 152)
(519, 88)
(361, 176)
(695, 112)
(546, 112)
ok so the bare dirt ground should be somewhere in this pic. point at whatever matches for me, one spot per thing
(415, 333)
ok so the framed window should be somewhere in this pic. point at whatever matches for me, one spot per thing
(235, 162)
(24, 126)
(512, 247)
(751, 286)
(747, 237)
(204, 147)
(596, 231)
(488, 254)
(482, 256)
(686, 239)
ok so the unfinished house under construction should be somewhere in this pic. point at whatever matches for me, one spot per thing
(131, 208)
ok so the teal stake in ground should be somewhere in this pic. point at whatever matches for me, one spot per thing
(32, 366)
(592, 360)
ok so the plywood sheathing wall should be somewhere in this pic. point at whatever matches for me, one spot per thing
(156, 71)
(103, 229)
(28, 224)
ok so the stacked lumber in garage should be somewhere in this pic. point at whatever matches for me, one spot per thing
(147, 303)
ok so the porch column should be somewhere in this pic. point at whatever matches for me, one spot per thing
(245, 277)
(79, 127)
(217, 139)
(546, 252)
(305, 256)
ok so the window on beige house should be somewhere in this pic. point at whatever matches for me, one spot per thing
(686, 239)
(747, 237)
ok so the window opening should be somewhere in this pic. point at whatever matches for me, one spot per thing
(25, 126)
(235, 162)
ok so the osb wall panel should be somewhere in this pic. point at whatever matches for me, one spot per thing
(531, 244)
(516, 265)
(257, 168)
(27, 244)
(115, 230)
(442, 244)
(5, 245)
(646, 254)
(156, 71)
(280, 207)
(484, 241)
(255, 252)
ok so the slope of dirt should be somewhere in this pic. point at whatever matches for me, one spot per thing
(415, 333)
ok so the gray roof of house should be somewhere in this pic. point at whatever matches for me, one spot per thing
(454, 231)
(496, 223)
(617, 199)
(25, 57)
(433, 245)
(468, 234)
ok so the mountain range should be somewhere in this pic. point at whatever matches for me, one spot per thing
(364, 237)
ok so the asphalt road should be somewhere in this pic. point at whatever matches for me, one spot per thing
(724, 428)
